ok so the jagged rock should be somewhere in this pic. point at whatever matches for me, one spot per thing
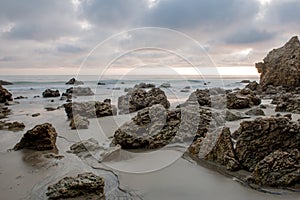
(12, 126)
(73, 81)
(5, 95)
(253, 86)
(90, 109)
(234, 115)
(279, 168)
(255, 112)
(138, 99)
(41, 137)
(287, 103)
(78, 91)
(84, 146)
(5, 83)
(281, 67)
(51, 93)
(184, 90)
(262, 136)
(218, 147)
(79, 122)
(35, 114)
(200, 97)
(242, 99)
(165, 85)
(245, 81)
(84, 185)
(144, 85)
(4, 111)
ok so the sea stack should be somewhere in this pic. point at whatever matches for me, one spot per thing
(281, 67)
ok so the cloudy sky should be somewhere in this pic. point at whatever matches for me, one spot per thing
(57, 36)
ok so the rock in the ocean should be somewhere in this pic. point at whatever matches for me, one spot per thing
(221, 151)
(245, 98)
(262, 136)
(41, 137)
(51, 93)
(165, 85)
(144, 85)
(280, 168)
(281, 67)
(78, 91)
(253, 86)
(255, 112)
(79, 122)
(5, 95)
(85, 185)
(90, 109)
(5, 83)
(73, 81)
(138, 99)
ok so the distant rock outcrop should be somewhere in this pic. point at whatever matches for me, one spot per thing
(41, 137)
(5, 95)
(5, 83)
(51, 93)
(281, 67)
(73, 81)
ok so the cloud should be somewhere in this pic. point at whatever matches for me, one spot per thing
(252, 35)
(67, 48)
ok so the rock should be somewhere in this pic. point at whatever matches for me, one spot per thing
(41, 137)
(280, 168)
(5, 95)
(138, 99)
(36, 114)
(245, 81)
(128, 89)
(144, 85)
(187, 87)
(79, 122)
(84, 146)
(242, 99)
(12, 126)
(184, 90)
(234, 115)
(287, 103)
(255, 112)
(253, 86)
(90, 109)
(200, 97)
(84, 185)
(50, 108)
(5, 83)
(73, 81)
(116, 88)
(165, 85)
(20, 97)
(4, 111)
(262, 136)
(221, 151)
(78, 91)
(101, 83)
(281, 67)
(51, 93)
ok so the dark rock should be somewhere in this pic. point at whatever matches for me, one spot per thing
(73, 81)
(4, 111)
(84, 185)
(5, 95)
(36, 114)
(187, 87)
(287, 103)
(234, 115)
(116, 88)
(50, 108)
(80, 148)
(20, 97)
(41, 137)
(245, 81)
(165, 85)
(144, 85)
(138, 99)
(262, 136)
(279, 168)
(253, 86)
(242, 99)
(101, 83)
(184, 90)
(51, 93)
(78, 91)
(200, 97)
(255, 112)
(79, 122)
(5, 83)
(281, 67)
(12, 126)
(90, 109)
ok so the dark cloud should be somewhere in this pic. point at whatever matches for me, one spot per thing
(252, 35)
(9, 58)
(67, 48)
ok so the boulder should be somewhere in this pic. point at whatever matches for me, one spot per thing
(86, 185)
(281, 67)
(200, 97)
(73, 81)
(90, 109)
(5, 95)
(138, 99)
(41, 137)
(280, 168)
(253, 86)
(287, 103)
(50, 93)
(234, 115)
(78, 91)
(144, 85)
(101, 83)
(81, 148)
(79, 122)
(12, 126)
(165, 85)
(5, 83)
(242, 99)
(255, 112)
(262, 136)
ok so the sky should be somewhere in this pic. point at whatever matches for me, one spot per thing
(142, 36)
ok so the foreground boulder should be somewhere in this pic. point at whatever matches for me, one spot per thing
(280, 168)
(51, 93)
(78, 91)
(87, 185)
(242, 99)
(281, 67)
(90, 109)
(41, 137)
(258, 138)
(5, 95)
(73, 81)
(79, 122)
(138, 99)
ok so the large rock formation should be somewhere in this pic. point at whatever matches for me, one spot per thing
(258, 138)
(280, 168)
(281, 67)
(245, 98)
(73, 81)
(138, 99)
(41, 137)
(90, 109)
(50, 93)
(287, 103)
(87, 185)
(5, 95)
